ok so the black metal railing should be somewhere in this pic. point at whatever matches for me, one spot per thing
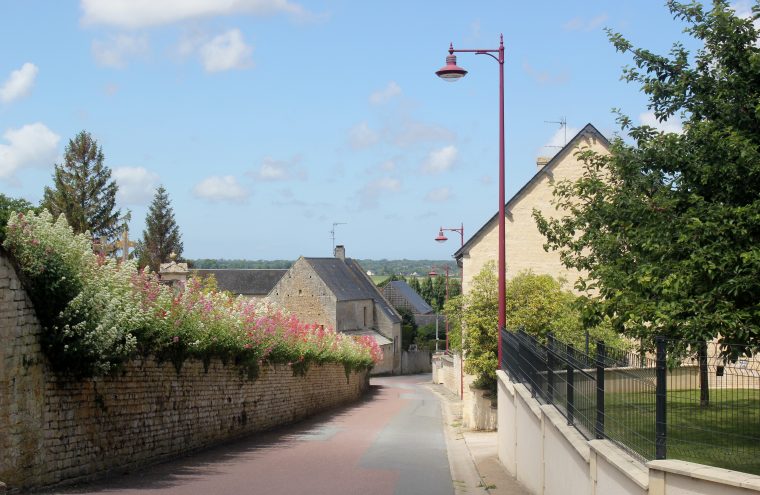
(694, 401)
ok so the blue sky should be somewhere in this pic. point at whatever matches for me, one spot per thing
(268, 120)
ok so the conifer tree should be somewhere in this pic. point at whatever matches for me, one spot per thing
(161, 236)
(83, 190)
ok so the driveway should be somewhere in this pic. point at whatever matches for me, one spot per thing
(392, 442)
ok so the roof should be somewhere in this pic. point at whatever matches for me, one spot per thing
(250, 282)
(399, 288)
(347, 280)
(379, 338)
(588, 129)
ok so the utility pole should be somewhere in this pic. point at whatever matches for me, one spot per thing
(332, 232)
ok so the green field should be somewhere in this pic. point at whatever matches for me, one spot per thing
(726, 433)
(379, 279)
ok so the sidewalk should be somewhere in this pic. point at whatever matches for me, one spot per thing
(473, 458)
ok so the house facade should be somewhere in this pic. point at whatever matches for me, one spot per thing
(523, 242)
(337, 293)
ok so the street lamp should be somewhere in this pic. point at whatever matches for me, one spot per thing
(433, 274)
(452, 72)
(441, 237)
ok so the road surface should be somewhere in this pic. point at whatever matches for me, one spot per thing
(392, 442)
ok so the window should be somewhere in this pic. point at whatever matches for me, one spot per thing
(365, 315)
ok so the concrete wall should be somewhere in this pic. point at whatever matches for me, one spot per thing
(301, 292)
(54, 429)
(478, 410)
(413, 362)
(447, 371)
(549, 457)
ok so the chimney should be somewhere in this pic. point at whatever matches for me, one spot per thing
(340, 252)
(541, 161)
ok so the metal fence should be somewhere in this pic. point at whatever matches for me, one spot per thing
(693, 401)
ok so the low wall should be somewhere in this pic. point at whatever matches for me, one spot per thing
(478, 409)
(447, 371)
(549, 457)
(55, 430)
(413, 362)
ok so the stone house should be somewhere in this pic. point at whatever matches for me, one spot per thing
(251, 283)
(523, 242)
(524, 251)
(337, 293)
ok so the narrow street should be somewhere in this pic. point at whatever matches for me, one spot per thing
(392, 442)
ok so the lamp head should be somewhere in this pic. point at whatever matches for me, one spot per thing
(432, 273)
(451, 72)
(441, 237)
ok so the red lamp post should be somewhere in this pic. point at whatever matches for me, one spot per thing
(433, 274)
(451, 72)
(441, 237)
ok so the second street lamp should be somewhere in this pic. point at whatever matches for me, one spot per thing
(452, 72)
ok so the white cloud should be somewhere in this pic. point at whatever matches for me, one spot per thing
(373, 190)
(412, 133)
(439, 195)
(581, 24)
(544, 76)
(440, 160)
(743, 9)
(220, 188)
(115, 51)
(672, 125)
(557, 141)
(279, 170)
(361, 136)
(226, 51)
(137, 185)
(386, 94)
(31, 145)
(134, 14)
(388, 166)
(19, 83)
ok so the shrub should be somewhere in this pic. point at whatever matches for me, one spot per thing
(96, 313)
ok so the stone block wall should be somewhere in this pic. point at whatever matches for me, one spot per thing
(55, 430)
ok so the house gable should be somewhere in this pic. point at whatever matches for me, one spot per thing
(524, 243)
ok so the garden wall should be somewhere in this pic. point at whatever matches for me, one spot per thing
(549, 457)
(55, 430)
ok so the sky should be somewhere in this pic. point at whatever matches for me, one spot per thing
(269, 120)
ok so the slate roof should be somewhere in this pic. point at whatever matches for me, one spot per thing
(347, 280)
(250, 282)
(407, 297)
(546, 169)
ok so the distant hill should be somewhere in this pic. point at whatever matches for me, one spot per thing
(378, 267)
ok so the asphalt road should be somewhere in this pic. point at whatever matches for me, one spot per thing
(392, 442)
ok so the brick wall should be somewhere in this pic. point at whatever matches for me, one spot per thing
(54, 429)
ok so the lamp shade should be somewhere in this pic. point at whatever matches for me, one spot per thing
(451, 71)
(441, 237)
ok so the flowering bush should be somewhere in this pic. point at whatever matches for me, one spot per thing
(96, 313)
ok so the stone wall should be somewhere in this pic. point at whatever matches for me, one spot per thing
(55, 430)
(447, 370)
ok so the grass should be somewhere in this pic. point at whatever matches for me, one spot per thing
(379, 279)
(725, 433)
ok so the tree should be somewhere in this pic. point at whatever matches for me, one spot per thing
(83, 190)
(9, 205)
(667, 227)
(161, 236)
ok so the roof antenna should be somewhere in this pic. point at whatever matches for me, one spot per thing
(332, 232)
(562, 125)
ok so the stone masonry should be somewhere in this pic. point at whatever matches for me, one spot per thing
(55, 430)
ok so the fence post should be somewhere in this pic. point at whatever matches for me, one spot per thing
(570, 385)
(600, 357)
(661, 401)
(550, 368)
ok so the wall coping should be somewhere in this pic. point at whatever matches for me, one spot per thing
(625, 463)
(707, 473)
(573, 436)
(529, 400)
(504, 378)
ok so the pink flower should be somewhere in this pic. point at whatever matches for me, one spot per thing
(175, 339)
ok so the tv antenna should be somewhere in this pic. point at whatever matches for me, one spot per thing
(562, 125)
(332, 232)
